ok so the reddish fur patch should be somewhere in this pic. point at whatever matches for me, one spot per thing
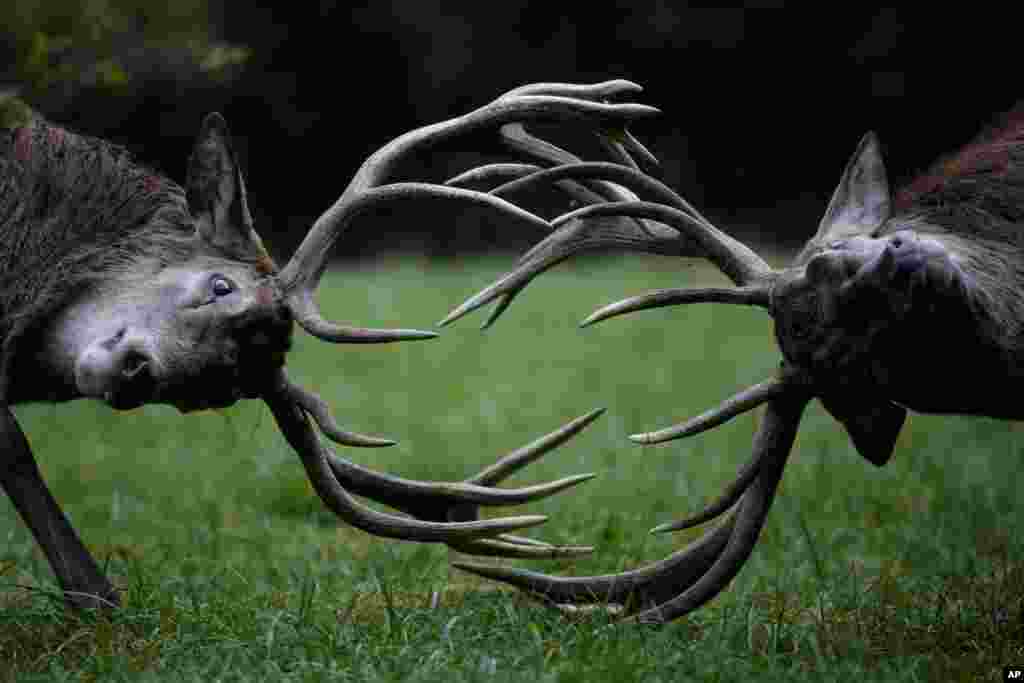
(264, 296)
(23, 144)
(989, 152)
(55, 136)
(266, 265)
(151, 183)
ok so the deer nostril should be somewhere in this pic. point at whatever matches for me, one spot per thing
(133, 363)
(113, 341)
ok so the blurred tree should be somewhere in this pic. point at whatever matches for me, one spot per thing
(760, 112)
(59, 50)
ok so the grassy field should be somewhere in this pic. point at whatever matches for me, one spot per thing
(232, 570)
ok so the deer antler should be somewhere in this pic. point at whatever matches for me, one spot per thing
(441, 512)
(690, 234)
(542, 102)
(689, 578)
(829, 307)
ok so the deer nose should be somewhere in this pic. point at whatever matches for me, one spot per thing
(133, 362)
(118, 369)
(901, 243)
(907, 254)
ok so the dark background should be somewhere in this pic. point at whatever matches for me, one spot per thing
(761, 106)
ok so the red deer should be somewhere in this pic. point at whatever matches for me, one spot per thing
(121, 286)
(882, 278)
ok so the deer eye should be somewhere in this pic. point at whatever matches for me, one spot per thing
(221, 286)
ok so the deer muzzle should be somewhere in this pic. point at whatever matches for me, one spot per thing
(120, 370)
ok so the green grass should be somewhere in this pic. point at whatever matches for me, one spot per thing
(232, 570)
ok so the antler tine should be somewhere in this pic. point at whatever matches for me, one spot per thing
(508, 175)
(300, 298)
(641, 588)
(559, 246)
(745, 296)
(737, 261)
(689, 578)
(321, 412)
(508, 110)
(633, 146)
(300, 435)
(743, 402)
(729, 497)
(619, 143)
(488, 175)
(614, 140)
(639, 184)
(515, 547)
(775, 439)
(499, 308)
(409, 495)
(301, 275)
(500, 176)
(577, 235)
(443, 511)
(517, 138)
(521, 457)
(596, 91)
(508, 286)
(406, 494)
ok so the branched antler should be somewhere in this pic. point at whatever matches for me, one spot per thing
(858, 279)
(690, 234)
(546, 102)
(440, 512)
(689, 578)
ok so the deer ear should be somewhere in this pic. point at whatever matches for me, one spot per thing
(861, 201)
(216, 193)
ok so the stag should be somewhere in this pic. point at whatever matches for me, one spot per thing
(121, 286)
(884, 276)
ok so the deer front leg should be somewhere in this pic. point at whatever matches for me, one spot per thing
(80, 578)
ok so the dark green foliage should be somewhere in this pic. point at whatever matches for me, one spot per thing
(64, 48)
